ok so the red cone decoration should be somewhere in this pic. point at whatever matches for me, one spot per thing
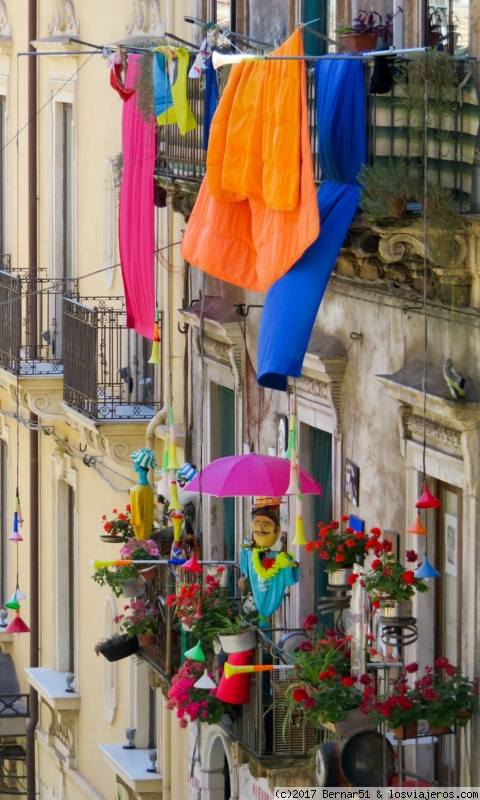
(427, 500)
(236, 689)
(192, 564)
(17, 625)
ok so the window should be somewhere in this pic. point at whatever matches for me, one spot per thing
(110, 205)
(222, 443)
(65, 590)
(3, 162)
(110, 667)
(4, 532)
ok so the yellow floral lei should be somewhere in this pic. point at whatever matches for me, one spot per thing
(281, 561)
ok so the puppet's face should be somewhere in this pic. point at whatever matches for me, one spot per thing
(265, 532)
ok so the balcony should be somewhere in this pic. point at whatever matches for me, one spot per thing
(106, 374)
(30, 329)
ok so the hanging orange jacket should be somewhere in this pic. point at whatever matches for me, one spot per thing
(257, 211)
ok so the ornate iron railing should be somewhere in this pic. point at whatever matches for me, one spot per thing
(30, 321)
(388, 134)
(105, 366)
(14, 705)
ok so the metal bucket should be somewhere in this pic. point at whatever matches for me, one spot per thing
(339, 577)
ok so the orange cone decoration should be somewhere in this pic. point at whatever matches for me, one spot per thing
(417, 527)
(177, 520)
(427, 500)
(17, 625)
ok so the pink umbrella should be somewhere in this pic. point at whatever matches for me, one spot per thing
(250, 475)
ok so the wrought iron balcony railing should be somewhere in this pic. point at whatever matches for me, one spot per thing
(106, 374)
(258, 725)
(30, 321)
(451, 135)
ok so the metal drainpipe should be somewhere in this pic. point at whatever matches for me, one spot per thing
(34, 434)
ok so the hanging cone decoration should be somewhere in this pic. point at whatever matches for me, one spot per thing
(192, 565)
(205, 682)
(155, 357)
(17, 625)
(427, 500)
(15, 536)
(299, 538)
(177, 520)
(19, 509)
(195, 653)
(19, 594)
(13, 603)
(174, 501)
(172, 451)
(163, 486)
(426, 570)
(417, 527)
(198, 612)
(292, 431)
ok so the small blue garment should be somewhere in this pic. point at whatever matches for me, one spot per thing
(211, 100)
(292, 303)
(267, 593)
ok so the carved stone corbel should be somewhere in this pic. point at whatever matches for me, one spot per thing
(5, 29)
(145, 19)
(63, 20)
(66, 734)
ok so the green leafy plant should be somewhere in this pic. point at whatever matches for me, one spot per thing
(387, 578)
(323, 690)
(140, 618)
(116, 577)
(338, 548)
(388, 184)
(371, 22)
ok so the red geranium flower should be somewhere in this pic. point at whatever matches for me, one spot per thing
(299, 695)
(409, 577)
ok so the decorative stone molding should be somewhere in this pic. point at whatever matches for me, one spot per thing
(322, 375)
(63, 20)
(5, 29)
(40, 395)
(145, 19)
(396, 256)
(437, 435)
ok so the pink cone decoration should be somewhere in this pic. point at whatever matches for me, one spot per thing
(427, 500)
(17, 625)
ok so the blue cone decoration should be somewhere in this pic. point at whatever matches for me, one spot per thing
(426, 570)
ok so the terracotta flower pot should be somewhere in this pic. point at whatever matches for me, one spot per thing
(439, 730)
(149, 574)
(407, 731)
(359, 42)
(147, 639)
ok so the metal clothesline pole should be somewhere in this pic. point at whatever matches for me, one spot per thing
(222, 59)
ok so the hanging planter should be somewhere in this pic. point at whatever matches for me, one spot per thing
(133, 588)
(147, 639)
(238, 642)
(359, 42)
(118, 647)
(408, 730)
(355, 722)
(394, 610)
(440, 730)
(149, 574)
(340, 577)
(113, 539)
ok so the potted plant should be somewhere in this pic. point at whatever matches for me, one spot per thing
(190, 703)
(339, 549)
(127, 579)
(118, 647)
(388, 184)
(119, 528)
(366, 29)
(434, 28)
(389, 583)
(139, 621)
(400, 708)
(449, 698)
(142, 550)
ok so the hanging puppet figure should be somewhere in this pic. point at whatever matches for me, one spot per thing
(141, 495)
(269, 571)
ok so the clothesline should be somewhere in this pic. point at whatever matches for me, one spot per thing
(224, 59)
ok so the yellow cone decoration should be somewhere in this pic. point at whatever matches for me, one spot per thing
(174, 501)
(299, 538)
(155, 357)
(172, 451)
(177, 520)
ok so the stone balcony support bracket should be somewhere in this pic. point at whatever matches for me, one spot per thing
(63, 708)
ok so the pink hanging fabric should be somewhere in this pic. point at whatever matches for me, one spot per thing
(136, 213)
